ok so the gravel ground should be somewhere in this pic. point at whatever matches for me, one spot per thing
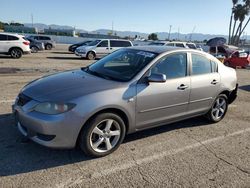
(190, 153)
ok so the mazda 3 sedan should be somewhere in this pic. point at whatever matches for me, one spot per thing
(127, 91)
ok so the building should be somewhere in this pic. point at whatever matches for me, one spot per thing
(19, 29)
(60, 32)
(98, 36)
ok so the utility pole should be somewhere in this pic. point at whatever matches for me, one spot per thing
(32, 20)
(112, 27)
(170, 27)
(178, 33)
(190, 38)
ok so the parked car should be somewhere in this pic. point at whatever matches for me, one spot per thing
(73, 47)
(130, 90)
(238, 59)
(14, 45)
(102, 47)
(35, 45)
(48, 42)
(176, 44)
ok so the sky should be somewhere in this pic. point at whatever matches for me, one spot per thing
(202, 16)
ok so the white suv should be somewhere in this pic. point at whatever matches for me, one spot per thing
(101, 47)
(14, 45)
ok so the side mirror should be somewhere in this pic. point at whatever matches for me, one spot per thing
(157, 78)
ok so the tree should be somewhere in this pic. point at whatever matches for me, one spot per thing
(152, 36)
(231, 19)
(240, 12)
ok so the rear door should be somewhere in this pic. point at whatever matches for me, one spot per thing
(12, 41)
(205, 83)
(3, 43)
(102, 48)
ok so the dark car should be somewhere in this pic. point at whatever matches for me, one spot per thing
(48, 42)
(73, 47)
(35, 45)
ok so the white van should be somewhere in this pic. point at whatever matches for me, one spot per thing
(101, 47)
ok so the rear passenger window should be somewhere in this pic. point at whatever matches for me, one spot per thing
(3, 37)
(12, 37)
(200, 65)
(170, 44)
(173, 66)
(179, 45)
(117, 43)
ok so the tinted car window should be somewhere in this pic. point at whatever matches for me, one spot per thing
(3, 37)
(200, 65)
(117, 43)
(12, 37)
(173, 66)
(179, 45)
(103, 44)
(36, 37)
(192, 46)
(170, 44)
(44, 38)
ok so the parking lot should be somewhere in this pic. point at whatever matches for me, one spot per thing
(190, 153)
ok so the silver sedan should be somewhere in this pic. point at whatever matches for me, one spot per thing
(127, 91)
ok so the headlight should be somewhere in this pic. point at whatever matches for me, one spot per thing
(53, 108)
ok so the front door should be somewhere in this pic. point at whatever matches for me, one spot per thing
(102, 48)
(163, 102)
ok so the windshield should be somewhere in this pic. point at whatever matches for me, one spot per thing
(121, 65)
(93, 43)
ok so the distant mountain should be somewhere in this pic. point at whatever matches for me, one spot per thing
(161, 35)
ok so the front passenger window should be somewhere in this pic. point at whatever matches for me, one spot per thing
(103, 44)
(173, 66)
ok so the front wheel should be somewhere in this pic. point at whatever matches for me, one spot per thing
(48, 47)
(102, 135)
(34, 49)
(218, 109)
(91, 55)
(16, 53)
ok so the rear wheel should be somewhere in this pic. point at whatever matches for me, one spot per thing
(91, 55)
(34, 49)
(218, 109)
(102, 135)
(16, 53)
(48, 47)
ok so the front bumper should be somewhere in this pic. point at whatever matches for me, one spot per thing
(55, 131)
(81, 54)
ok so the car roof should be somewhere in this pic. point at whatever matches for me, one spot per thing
(155, 49)
(11, 34)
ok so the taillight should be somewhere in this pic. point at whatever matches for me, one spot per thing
(26, 43)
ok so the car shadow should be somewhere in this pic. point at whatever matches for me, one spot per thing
(62, 52)
(20, 155)
(245, 87)
(5, 57)
(65, 58)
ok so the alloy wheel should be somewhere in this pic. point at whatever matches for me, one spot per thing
(219, 108)
(105, 135)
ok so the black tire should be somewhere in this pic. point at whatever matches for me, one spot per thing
(91, 55)
(16, 53)
(48, 47)
(87, 135)
(34, 49)
(211, 115)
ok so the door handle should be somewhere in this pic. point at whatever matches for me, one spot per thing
(111, 48)
(214, 82)
(107, 48)
(182, 87)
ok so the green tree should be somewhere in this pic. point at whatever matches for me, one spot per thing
(240, 12)
(152, 36)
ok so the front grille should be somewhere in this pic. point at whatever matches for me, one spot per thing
(23, 99)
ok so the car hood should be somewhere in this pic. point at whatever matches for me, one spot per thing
(66, 86)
